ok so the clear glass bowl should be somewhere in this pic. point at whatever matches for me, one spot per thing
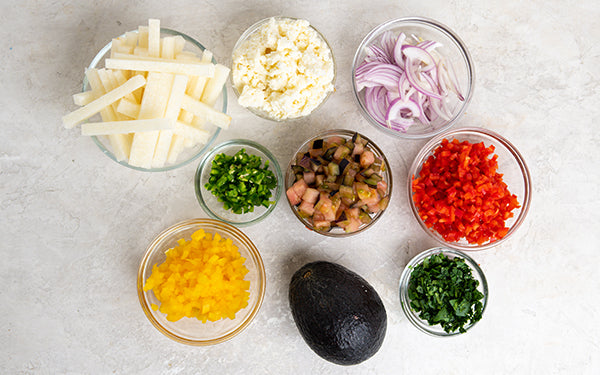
(245, 36)
(192, 331)
(453, 49)
(209, 202)
(189, 153)
(412, 316)
(510, 164)
(346, 134)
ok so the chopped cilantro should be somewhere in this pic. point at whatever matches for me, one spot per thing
(443, 291)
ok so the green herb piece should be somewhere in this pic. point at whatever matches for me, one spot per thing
(241, 182)
(443, 291)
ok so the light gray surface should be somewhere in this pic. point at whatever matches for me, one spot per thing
(75, 224)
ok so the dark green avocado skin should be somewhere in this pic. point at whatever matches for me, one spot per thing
(339, 315)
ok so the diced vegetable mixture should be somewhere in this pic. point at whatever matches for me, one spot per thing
(339, 183)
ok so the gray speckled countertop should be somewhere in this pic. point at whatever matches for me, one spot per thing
(74, 224)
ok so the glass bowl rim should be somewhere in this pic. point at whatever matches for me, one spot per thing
(412, 316)
(344, 132)
(208, 156)
(480, 132)
(253, 28)
(201, 224)
(428, 22)
(96, 60)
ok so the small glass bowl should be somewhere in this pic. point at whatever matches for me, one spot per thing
(209, 202)
(412, 316)
(189, 153)
(453, 49)
(346, 134)
(245, 36)
(510, 164)
(192, 331)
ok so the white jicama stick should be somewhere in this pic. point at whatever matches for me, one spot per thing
(120, 143)
(215, 85)
(140, 55)
(168, 48)
(197, 84)
(154, 103)
(153, 38)
(190, 68)
(128, 108)
(187, 56)
(131, 38)
(177, 142)
(143, 37)
(114, 46)
(179, 44)
(110, 83)
(140, 51)
(87, 111)
(163, 144)
(124, 127)
(119, 76)
(191, 133)
(83, 98)
(202, 110)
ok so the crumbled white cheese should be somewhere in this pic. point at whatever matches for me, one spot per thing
(284, 69)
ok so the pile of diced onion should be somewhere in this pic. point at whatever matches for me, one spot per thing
(405, 81)
(155, 98)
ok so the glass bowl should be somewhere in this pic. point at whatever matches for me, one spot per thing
(345, 134)
(245, 37)
(192, 331)
(412, 316)
(510, 164)
(453, 49)
(210, 203)
(188, 154)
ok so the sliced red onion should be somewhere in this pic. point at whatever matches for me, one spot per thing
(375, 102)
(376, 53)
(388, 43)
(451, 73)
(410, 68)
(406, 81)
(419, 54)
(398, 55)
(401, 113)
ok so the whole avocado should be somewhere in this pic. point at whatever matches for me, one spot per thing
(339, 315)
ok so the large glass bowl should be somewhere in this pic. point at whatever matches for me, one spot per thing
(210, 203)
(345, 134)
(245, 36)
(510, 164)
(192, 331)
(453, 49)
(412, 316)
(189, 153)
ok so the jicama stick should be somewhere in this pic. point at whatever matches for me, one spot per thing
(173, 107)
(189, 68)
(87, 111)
(124, 127)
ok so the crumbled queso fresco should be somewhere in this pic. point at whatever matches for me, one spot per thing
(284, 69)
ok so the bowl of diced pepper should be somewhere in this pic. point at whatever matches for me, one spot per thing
(338, 183)
(469, 188)
(239, 181)
(201, 282)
